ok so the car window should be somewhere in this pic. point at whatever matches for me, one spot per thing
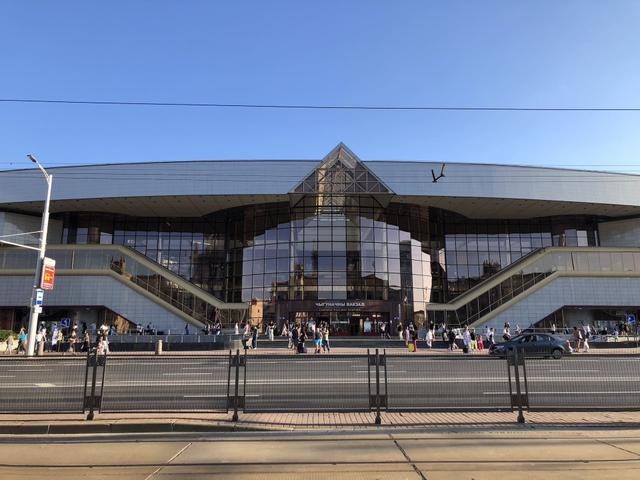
(544, 338)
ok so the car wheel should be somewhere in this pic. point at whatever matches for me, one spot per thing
(557, 354)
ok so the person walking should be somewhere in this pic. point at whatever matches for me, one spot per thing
(302, 337)
(429, 338)
(73, 338)
(491, 339)
(22, 341)
(39, 342)
(466, 340)
(236, 329)
(577, 338)
(271, 328)
(473, 345)
(317, 334)
(254, 337)
(414, 339)
(10, 344)
(506, 334)
(451, 338)
(400, 331)
(325, 339)
(59, 339)
(480, 341)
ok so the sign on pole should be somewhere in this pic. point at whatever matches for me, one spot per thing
(631, 318)
(39, 296)
(48, 274)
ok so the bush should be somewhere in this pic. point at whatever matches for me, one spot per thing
(4, 334)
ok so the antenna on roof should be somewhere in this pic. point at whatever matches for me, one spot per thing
(433, 174)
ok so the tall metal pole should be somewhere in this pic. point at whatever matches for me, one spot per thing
(34, 311)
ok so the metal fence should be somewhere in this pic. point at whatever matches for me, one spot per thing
(290, 383)
(372, 381)
(143, 383)
(446, 383)
(29, 385)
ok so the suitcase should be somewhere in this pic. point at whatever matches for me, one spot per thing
(412, 347)
(465, 349)
(302, 348)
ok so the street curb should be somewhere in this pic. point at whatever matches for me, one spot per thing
(115, 427)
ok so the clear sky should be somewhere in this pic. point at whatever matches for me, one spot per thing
(536, 53)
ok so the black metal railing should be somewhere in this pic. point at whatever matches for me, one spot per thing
(373, 381)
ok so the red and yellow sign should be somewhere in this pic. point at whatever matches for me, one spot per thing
(48, 274)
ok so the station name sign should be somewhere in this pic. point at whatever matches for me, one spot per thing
(339, 304)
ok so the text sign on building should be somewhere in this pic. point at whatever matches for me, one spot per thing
(48, 274)
(339, 304)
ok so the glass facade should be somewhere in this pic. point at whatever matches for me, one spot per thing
(335, 250)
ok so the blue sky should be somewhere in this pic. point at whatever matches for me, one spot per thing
(546, 53)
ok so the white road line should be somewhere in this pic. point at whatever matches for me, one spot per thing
(7, 376)
(44, 385)
(31, 370)
(214, 396)
(576, 370)
(187, 373)
(568, 393)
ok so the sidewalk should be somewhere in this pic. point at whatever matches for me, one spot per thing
(163, 422)
(566, 454)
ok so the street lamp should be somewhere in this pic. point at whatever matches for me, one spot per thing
(35, 309)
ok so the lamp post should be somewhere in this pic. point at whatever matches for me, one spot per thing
(34, 309)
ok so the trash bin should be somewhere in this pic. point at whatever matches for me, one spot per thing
(159, 347)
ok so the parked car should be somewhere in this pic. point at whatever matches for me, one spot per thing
(534, 344)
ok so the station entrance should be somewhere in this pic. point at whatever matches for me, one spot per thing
(344, 323)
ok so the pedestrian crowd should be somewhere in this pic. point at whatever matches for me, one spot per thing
(61, 340)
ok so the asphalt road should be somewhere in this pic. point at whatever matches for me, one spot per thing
(293, 383)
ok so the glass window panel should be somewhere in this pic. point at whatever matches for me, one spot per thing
(271, 265)
(258, 266)
(380, 264)
(339, 263)
(393, 250)
(366, 234)
(324, 264)
(283, 264)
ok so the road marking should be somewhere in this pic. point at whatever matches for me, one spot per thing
(575, 370)
(7, 376)
(607, 392)
(204, 368)
(31, 370)
(44, 385)
(213, 396)
(186, 373)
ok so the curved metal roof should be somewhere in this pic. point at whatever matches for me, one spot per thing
(193, 188)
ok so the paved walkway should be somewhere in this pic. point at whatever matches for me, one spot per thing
(155, 422)
(532, 455)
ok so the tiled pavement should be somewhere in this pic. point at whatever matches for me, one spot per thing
(340, 421)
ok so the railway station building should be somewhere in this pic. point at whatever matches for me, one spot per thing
(353, 243)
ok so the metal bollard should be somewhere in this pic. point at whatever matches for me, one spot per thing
(159, 347)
